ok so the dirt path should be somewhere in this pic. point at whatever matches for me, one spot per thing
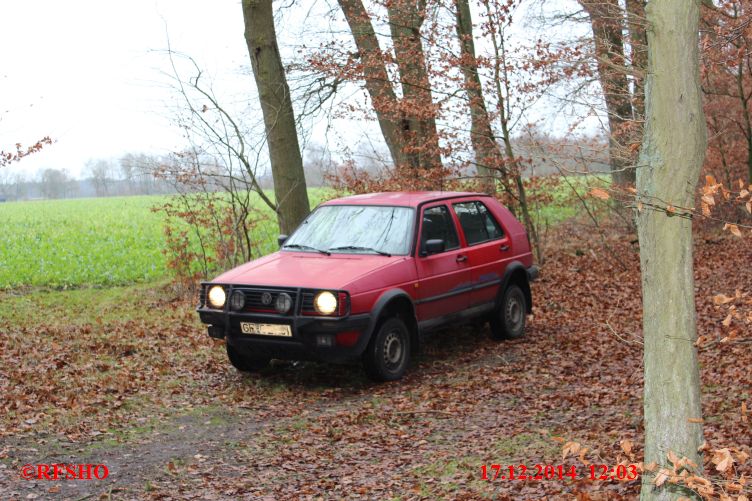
(133, 463)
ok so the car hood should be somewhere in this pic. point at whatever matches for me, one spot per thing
(307, 270)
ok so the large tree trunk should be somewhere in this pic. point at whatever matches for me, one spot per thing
(383, 97)
(279, 118)
(405, 22)
(488, 156)
(606, 19)
(670, 161)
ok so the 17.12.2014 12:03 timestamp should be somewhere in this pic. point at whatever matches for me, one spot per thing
(593, 472)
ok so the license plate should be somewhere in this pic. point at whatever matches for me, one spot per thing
(266, 329)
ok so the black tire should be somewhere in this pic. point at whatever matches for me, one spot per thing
(246, 363)
(388, 353)
(508, 321)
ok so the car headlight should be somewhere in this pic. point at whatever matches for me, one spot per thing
(283, 304)
(325, 303)
(217, 297)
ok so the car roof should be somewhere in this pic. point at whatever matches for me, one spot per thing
(400, 198)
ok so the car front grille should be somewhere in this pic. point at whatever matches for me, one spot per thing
(262, 300)
(202, 296)
(308, 302)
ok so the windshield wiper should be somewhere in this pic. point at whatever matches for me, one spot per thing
(355, 247)
(298, 246)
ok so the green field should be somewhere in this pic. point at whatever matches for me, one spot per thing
(91, 241)
(97, 241)
(119, 240)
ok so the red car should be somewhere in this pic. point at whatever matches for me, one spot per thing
(365, 277)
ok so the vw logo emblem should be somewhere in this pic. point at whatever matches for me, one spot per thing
(266, 298)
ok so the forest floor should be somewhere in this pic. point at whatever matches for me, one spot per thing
(139, 387)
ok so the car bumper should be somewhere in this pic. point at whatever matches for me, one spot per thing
(313, 338)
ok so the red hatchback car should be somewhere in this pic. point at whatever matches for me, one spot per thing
(365, 277)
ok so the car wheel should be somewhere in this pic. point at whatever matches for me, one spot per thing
(246, 363)
(388, 353)
(508, 321)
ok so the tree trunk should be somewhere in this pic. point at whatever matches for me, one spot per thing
(383, 97)
(749, 160)
(279, 118)
(405, 21)
(671, 158)
(747, 127)
(606, 19)
(488, 156)
(638, 41)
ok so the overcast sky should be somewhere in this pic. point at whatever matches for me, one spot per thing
(90, 73)
(85, 72)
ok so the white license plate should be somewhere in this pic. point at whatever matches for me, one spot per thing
(266, 329)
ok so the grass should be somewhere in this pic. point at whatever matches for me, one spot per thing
(79, 306)
(105, 241)
(562, 197)
(517, 447)
(92, 242)
(446, 475)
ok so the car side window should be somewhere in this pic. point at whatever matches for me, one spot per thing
(438, 224)
(477, 223)
(492, 226)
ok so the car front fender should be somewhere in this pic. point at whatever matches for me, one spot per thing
(383, 303)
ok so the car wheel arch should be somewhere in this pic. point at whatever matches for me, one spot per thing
(516, 273)
(396, 302)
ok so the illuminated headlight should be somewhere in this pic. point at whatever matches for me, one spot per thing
(283, 304)
(237, 301)
(217, 297)
(325, 303)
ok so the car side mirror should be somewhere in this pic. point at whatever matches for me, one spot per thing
(282, 239)
(434, 246)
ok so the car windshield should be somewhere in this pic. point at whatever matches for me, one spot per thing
(365, 229)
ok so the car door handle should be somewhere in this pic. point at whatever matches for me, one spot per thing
(461, 259)
(504, 247)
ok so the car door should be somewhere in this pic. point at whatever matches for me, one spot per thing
(488, 249)
(443, 278)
